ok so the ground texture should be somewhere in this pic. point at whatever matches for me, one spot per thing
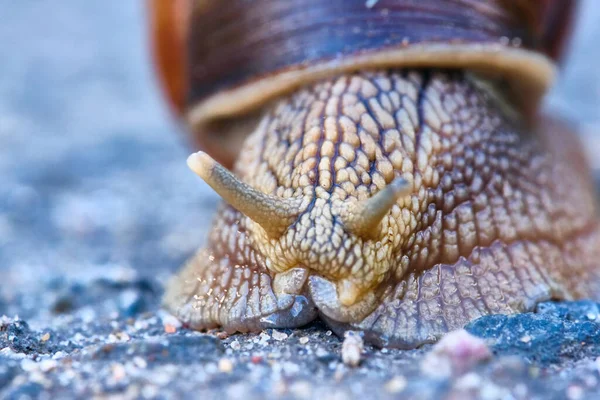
(97, 209)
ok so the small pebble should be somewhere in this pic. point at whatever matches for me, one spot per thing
(123, 336)
(303, 340)
(78, 337)
(235, 345)
(170, 328)
(140, 362)
(225, 365)
(455, 354)
(279, 335)
(46, 337)
(526, 339)
(118, 372)
(352, 348)
(256, 359)
(396, 384)
(263, 339)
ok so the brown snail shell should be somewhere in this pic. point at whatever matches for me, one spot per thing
(384, 177)
(209, 52)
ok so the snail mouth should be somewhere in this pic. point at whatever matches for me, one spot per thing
(301, 311)
(326, 298)
(324, 294)
(297, 308)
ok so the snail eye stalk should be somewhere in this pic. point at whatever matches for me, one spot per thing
(272, 213)
(363, 217)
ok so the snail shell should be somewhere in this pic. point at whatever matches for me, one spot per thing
(389, 171)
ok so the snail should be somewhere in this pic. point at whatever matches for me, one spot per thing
(384, 164)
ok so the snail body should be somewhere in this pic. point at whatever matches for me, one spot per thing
(391, 175)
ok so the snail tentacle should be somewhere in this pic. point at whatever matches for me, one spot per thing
(272, 213)
(363, 217)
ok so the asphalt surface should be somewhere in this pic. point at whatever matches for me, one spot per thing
(97, 209)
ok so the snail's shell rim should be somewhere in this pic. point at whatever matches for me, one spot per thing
(528, 72)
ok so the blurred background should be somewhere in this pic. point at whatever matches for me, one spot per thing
(92, 165)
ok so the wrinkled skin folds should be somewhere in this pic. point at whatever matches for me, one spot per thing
(497, 219)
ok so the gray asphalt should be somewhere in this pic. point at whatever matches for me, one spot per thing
(97, 209)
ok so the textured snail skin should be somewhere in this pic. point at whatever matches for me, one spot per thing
(497, 219)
